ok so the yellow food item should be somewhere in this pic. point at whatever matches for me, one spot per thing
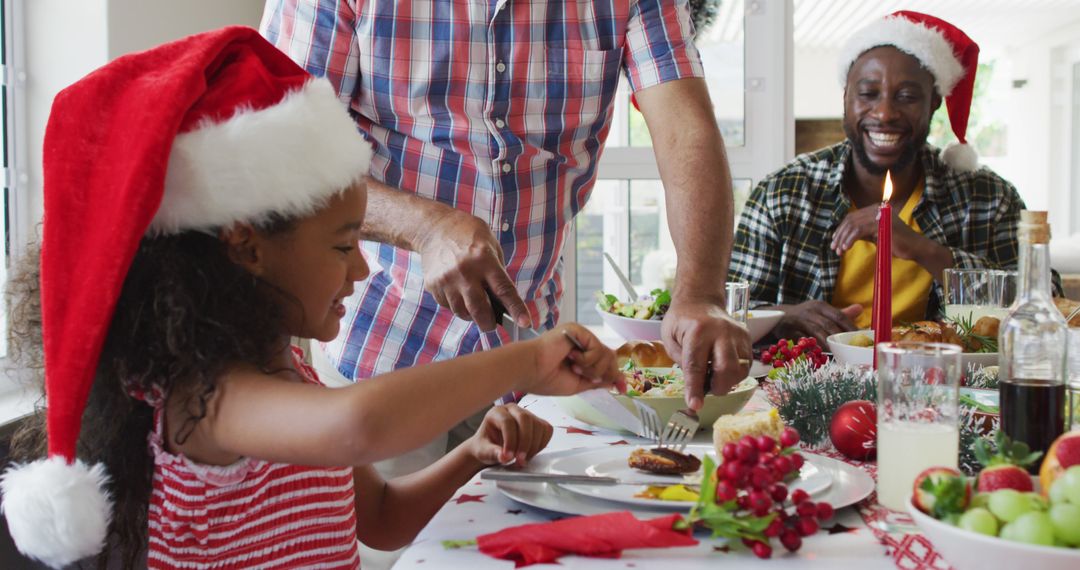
(732, 428)
(861, 340)
(679, 493)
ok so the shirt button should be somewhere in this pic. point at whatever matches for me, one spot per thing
(505, 225)
(506, 167)
(500, 67)
(500, 123)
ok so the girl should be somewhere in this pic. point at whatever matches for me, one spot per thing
(170, 284)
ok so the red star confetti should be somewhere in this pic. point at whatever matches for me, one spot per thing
(620, 442)
(573, 430)
(467, 498)
(840, 529)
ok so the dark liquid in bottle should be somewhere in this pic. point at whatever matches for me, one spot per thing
(1032, 412)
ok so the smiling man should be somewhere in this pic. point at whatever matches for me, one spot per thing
(805, 241)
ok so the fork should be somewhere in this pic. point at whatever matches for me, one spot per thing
(650, 422)
(683, 424)
(680, 429)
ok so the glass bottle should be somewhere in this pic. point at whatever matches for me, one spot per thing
(1032, 344)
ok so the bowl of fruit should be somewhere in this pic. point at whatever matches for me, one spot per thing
(1000, 521)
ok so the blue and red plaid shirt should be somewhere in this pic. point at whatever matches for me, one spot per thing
(497, 108)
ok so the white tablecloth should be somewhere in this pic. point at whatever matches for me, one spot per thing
(479, 508)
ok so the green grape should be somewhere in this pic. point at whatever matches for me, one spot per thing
(980, 500)
(1057, 493)
(979, 520)
(1037, 501)
(1030, 528)
(1007, 504)
(1066, 521)
(1071, 480)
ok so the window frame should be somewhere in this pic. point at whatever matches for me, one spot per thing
(769, 127)
(18, 201)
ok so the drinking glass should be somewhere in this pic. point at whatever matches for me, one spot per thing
(976, 293)
(738, 300)
(918, 411)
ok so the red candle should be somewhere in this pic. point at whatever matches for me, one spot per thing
(881, 314)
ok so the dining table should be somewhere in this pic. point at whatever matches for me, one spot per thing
(481, 507)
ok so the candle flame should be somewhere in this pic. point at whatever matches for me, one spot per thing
(888, 186)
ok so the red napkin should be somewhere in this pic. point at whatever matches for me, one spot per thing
(605, 535)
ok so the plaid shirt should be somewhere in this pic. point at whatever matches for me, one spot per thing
(782, 242)
(497, 108)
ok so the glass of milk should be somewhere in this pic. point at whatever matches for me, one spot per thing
(918, 415)
(976, 293)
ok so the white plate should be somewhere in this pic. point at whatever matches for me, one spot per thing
(612, 462)
(849, 486)
(759, 369)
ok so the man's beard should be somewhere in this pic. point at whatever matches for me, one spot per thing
(911, 150)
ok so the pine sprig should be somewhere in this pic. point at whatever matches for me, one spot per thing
(965, 327)
(972, 428)
(981, 377)
(807, 398)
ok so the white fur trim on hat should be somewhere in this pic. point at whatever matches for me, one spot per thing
(960, 157)
(287, 159)
(921, 42)
(57, 512)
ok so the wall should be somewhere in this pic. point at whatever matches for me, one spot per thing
(65, 40)
(817, 92)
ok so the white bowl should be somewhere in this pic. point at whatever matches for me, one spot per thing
(864, 355)
(631, 329)
(965, 550)
(761, 322)
(712, 408)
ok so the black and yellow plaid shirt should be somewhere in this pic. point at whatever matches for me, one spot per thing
(782, 242)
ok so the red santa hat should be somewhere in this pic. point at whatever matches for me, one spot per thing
(950, 56)
(192, 135)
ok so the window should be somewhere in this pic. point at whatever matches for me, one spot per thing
(746, 55)
(16, 203)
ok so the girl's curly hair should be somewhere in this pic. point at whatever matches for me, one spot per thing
(186, 312)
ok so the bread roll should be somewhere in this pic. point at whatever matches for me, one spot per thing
(644, 354)
(732, 428)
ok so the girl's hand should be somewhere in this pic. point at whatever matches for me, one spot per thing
(509, 435)
(562, 369)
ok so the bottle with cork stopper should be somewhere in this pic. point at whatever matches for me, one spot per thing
(1032, 343)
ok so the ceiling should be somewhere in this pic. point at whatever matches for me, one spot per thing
(994, 24)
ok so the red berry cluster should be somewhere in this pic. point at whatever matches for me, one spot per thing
(753, 474)
(785, 351)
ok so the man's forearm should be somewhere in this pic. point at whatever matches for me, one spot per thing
(399, 218)
(697, 186)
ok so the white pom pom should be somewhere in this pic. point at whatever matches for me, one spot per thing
(960, 157)
(56, 512)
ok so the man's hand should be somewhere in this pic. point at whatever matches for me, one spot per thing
(816, 319)
(703, 339)
(462, 261)
(906, 242)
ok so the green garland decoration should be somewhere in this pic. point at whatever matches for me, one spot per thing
(807, 398)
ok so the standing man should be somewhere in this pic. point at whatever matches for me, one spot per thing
(487, 120)
(806, 236)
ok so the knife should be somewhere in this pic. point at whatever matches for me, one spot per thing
(533, 477)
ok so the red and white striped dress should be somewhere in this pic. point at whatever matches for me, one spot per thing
(251, 514)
